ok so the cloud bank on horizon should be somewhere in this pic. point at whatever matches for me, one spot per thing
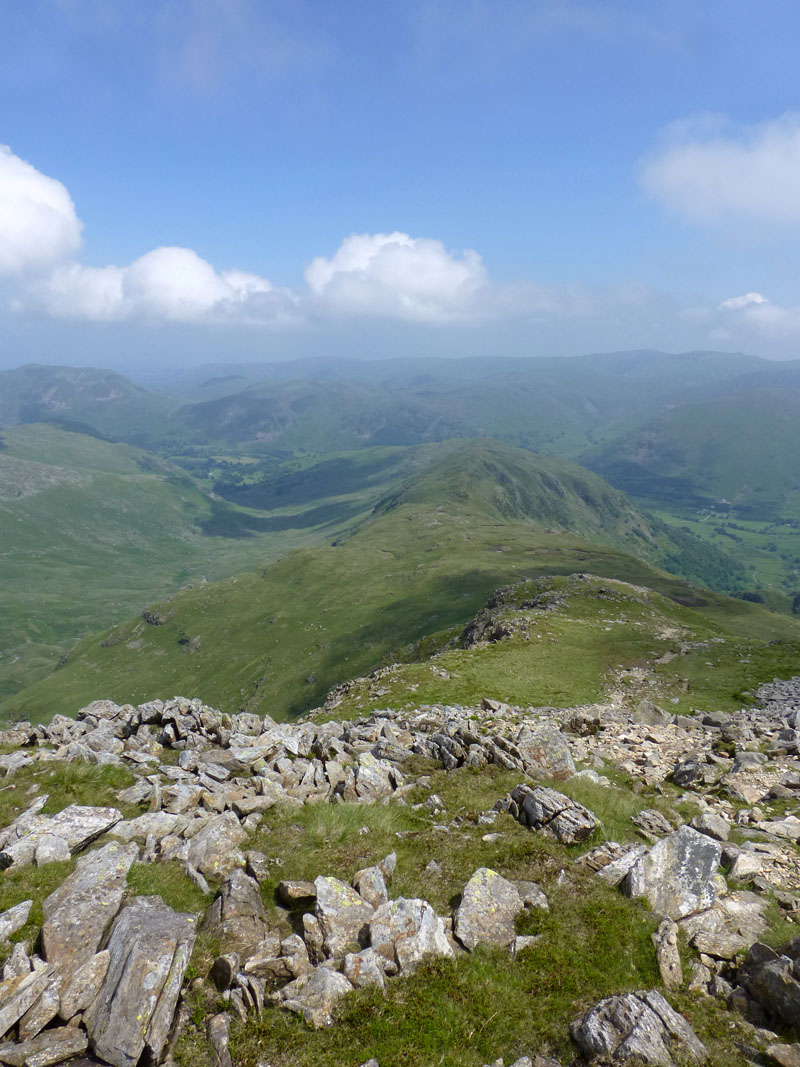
(387, 275)
(705, 171)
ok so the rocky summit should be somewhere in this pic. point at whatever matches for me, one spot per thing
(101, 969)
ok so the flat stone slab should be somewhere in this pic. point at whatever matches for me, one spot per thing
(149, 949)
(76, 824)
(79, 912)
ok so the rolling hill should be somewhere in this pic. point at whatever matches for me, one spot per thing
(274, 640)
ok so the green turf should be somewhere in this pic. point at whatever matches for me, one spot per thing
(275, 640)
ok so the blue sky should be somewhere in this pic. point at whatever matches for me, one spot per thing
(210, 179)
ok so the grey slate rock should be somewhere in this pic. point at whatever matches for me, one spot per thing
(554, 814)
(342, 914)
(636, 1027)
(79, 912)
(676, 874)
(404, 931)
(149, 948)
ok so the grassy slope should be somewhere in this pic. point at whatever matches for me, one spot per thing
(91, 532)
(277, 639)
(743, 448)
(585, 648)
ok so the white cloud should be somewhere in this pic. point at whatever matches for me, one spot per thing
(735, 303)
(38, 224)
(709, 171)
(400, 276)
(167, 284)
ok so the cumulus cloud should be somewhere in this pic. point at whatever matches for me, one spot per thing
(166, 284)
(38, 223)
(755, 313)
(398, 275)
(393, 276)
(708, 170)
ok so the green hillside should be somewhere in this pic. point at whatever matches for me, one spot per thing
(91, 532)
(276, 639)
(743, 449)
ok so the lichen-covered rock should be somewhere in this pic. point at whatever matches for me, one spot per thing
(342, 914)
(544, 752)
(14, 919)
(237, 916)
(769, 978)
(50, 1047)
(364, 969)
(17, 995)
(149, 948)
(488, 909)
(676, 874)
(404, 931)
(214, 850)
(315, 998)
(640, 1028)
(80, 988)
(78, 913)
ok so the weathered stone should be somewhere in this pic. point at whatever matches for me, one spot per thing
(80, 989)
(17, 995)
(14, 919)
(371, 885)
(342, 914)
(158, 823)
(639, 1027)
(149, 948)
(76, 824)
(769, 979)
(713, 825)
(315, 998)
(488, 909)
(364, 969)
(218, 1030)
(17, 964)
(213, 850)
(237, 917)
(554, 814)
(545, 752)
(668, 957)
(532, 894)
(404, 931)
(42, 1012)
(51, 849)
(676, 874)
(374, 778)
(51, 1047)
(784, 1055)
(256, 865)
(296, 893)
(78, 913)
(224, 970)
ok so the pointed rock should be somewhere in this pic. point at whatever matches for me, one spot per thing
(80, 911)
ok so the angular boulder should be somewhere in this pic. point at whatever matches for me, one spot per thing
(554, 814)
(76, 824)
(637, 1028)
(149, 948)
(544, 752)
(213, 850)
(404, 931)
(315, 998)
(78, 913)
(488, 909)
(676, 874)
(238, 916)
(342, 914)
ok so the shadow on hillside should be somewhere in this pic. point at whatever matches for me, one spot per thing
(226, 521)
